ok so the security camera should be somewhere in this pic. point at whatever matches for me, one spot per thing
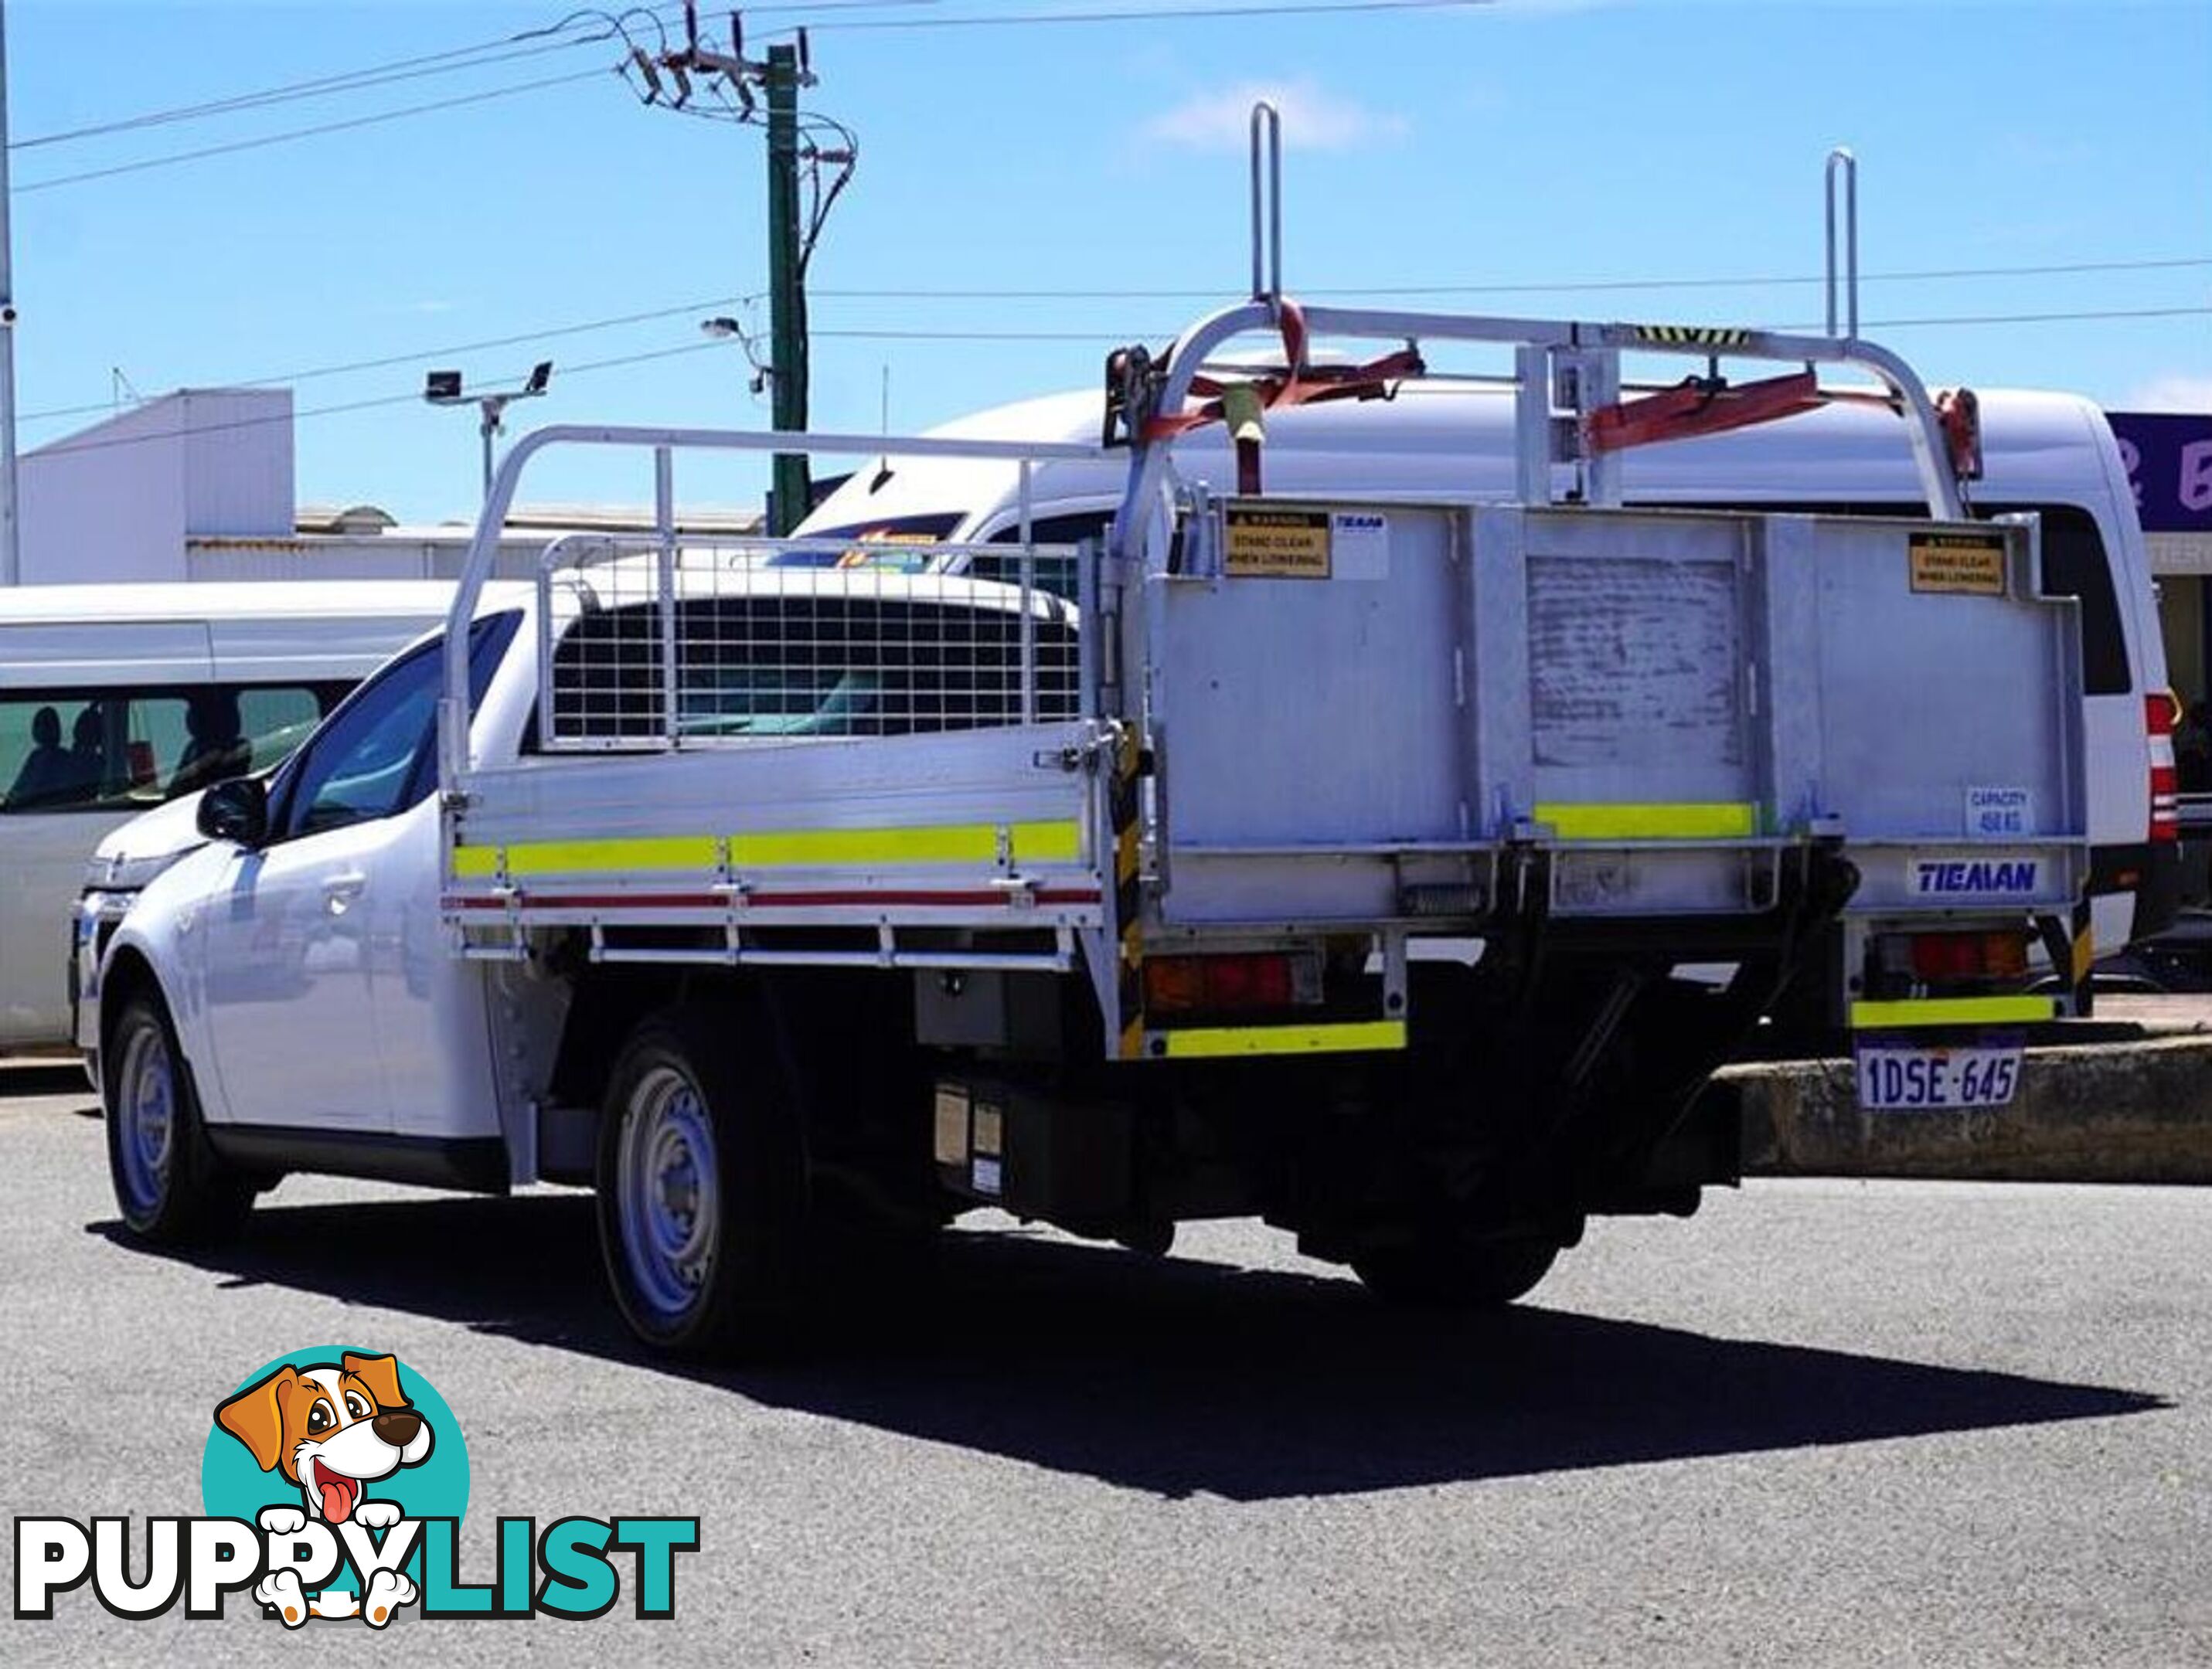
(7, 313)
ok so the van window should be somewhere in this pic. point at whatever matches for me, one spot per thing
(2074, 564)
(808, 666)
(124, 749)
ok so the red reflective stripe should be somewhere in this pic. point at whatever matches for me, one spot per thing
(722, 900)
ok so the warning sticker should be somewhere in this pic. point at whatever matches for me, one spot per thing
(1275, 543)
(1971, 564)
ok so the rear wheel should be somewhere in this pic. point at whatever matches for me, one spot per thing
(701, 1183)
(169, 1184)
(1453, 1272)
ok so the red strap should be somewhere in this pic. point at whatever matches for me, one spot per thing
(1301, 385)
(1698, 408)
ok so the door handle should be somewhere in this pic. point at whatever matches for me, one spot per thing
(340, 890)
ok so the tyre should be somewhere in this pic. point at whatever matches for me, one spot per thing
(1458, 1273)
(169, 1184)
(701, 1188)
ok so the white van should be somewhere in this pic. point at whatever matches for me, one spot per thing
(2052, 453)
(115, 699)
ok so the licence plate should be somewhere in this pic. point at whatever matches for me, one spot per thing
(1907, 1077)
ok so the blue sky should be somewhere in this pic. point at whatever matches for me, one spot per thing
(1538, 143)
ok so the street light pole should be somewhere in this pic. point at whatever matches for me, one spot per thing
(443, 388)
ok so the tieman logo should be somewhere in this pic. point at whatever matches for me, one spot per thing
(334, 1482)
(1976, 875)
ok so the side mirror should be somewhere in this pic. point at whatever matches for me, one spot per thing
(236, 811)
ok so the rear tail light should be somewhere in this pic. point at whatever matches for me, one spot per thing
(1939, 958)
(2163, 712)
(1271, 980)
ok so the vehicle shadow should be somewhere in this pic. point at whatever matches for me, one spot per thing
(1167, 1374)
(32, 1077)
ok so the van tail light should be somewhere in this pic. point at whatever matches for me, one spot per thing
(1940, 958)
(2163, 711)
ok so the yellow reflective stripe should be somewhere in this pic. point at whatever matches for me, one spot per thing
(1953, 1011)
(1201, 1041)
(1717, 820)
(945, 843)
(575, 857)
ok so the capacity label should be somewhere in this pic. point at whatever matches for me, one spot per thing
(1966, 564)
(1993, 813)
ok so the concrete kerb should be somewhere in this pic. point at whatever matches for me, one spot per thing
(2139, 1111)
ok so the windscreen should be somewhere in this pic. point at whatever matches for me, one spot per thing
(896, 544)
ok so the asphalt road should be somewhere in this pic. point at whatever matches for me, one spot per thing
(1822, 1423)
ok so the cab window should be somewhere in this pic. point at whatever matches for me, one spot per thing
(373, 759)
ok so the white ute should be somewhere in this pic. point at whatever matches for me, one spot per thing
(773, 900)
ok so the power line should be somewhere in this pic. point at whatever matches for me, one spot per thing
(109, 442)
(1570, 286)
(106, 443)
(2086, 315)
(256, 144)
(1177, 14)
(2030, 318)
(437, 64)
(529, 43)
(449, 350)
(484, 54)
(616, 321)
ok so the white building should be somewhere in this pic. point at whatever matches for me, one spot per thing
(198, 485)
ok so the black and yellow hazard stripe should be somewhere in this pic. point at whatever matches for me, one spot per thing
(1128, 896)
(1691, 335)
(2083, 958)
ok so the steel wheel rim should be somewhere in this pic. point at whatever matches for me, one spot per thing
(667, 1192)
(146, 1116)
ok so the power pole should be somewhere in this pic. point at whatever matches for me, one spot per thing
(11, 556)
(792, 155)
(794, 492)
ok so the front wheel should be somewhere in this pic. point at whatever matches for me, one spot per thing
(701, 1184)
(169, 1184)
(1439, 1272)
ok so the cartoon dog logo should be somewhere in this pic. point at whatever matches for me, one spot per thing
(332, 1429)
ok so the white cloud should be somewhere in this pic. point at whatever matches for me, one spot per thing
(2176, 392)
(1312, 119)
